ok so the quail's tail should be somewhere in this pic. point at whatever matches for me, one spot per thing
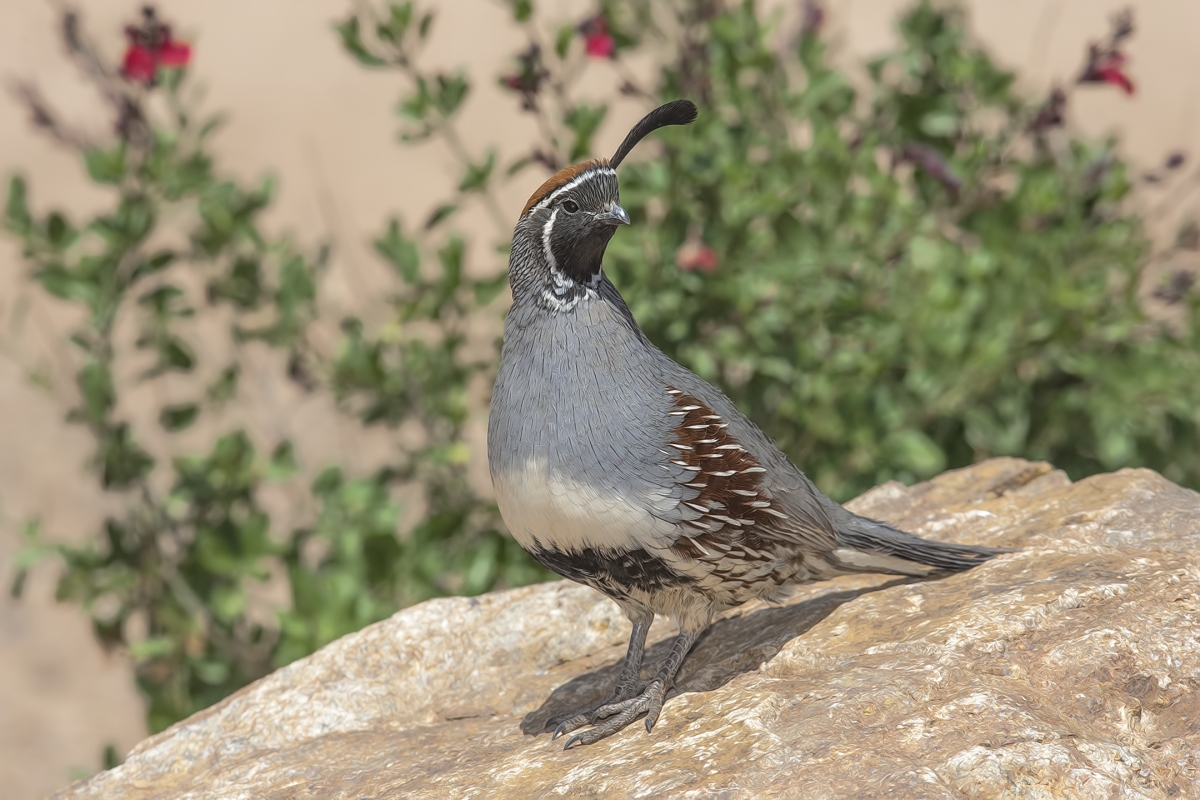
(870, 546)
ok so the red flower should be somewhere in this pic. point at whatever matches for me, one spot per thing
(151, 47)
(695, 256)
(174, 54)
(139, 65)
(1108, 68)
(1109, 71)
(1105, 61)
(597, 41)
(600, 45)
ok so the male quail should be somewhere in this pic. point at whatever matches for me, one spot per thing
(617, 468)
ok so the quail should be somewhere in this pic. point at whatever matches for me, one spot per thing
(618, 468)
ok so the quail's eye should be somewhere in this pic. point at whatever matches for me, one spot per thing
(570, 206)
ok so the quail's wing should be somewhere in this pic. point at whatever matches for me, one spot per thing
(736, 488)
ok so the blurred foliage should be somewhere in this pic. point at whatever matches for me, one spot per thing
(913, 276)
(892, 276)
(172, 580)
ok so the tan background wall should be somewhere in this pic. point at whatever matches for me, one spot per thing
(301, 110)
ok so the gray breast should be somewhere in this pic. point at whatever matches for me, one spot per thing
(579, 430)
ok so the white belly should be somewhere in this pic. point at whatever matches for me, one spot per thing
(545, 510)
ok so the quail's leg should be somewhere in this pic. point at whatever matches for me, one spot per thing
(618, 714)
(629, 681)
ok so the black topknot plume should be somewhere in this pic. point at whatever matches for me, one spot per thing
(676, 112)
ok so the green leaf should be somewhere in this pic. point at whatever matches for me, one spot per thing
(174, 353)
(106, 166)
(172, 79)
(440, 214)
(295, 298)
(210, 126)
(176, 418)
(129, 225)
(328, 482)
(16, 210)
(522, 10)
(155, 263)
(400, 252)
(212, 671)
(161, 298)
(518, 165)
(122, 462)
(353, 44)
(242, 286)
(33, 552)
(228, 603)
(940, 123)
(96, 386)
(562, 41)
(918, 452)
(58, 230)
(451, 92)
(416, 106)
(399, 17)
(152, 648)
(283, 462)
(477, 176)
(451, 256)
(68, 285)
(224, 387)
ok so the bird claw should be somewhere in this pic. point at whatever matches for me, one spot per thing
(616, 714)
(654, 709)
(575, 722)
(625, 691)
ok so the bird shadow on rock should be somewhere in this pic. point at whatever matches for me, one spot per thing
(730, 647)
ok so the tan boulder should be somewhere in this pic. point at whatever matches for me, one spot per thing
(1070, 668)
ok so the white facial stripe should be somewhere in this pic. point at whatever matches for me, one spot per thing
(566, 187)
(559, 293)
(546, 249)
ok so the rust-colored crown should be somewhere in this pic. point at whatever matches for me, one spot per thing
(561, 178)
(677, 112)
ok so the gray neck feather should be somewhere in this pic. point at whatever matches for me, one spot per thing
(536, 282)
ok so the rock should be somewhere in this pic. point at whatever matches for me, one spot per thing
(1070, 668)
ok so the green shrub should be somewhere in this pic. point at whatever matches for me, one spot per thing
(910, 279)
(171, 579)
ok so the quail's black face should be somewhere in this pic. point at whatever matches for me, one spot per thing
(563, 230)
(577, 219)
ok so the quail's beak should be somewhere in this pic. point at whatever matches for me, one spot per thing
(614, 215)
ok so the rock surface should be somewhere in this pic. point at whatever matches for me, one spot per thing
(1070, 668)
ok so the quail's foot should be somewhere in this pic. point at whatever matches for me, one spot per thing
(628, 688)
(616, 714)
(627, 703)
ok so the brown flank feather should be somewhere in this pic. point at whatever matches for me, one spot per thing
(731, 478)
(563, 176)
